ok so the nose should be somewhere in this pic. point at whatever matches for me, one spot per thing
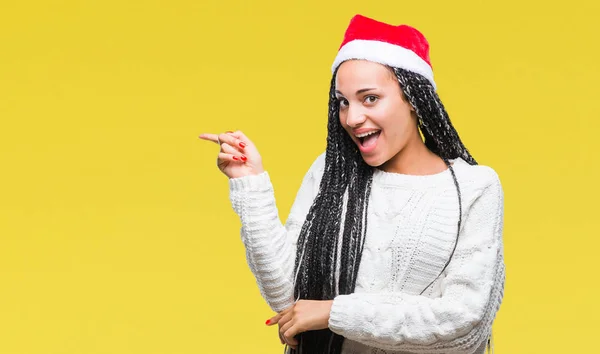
(355, 116)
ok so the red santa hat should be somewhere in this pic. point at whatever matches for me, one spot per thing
(397, 46)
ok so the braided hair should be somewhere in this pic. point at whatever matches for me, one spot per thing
(323, 267)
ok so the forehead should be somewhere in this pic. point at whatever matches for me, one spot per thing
(353, 73)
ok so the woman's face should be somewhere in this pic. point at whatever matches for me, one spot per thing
(372, 104)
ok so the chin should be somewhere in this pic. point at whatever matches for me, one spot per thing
(374, 160)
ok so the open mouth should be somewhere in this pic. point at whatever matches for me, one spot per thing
(370, 139)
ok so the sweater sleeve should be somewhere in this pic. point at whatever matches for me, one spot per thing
(458, 321)
(271, 246)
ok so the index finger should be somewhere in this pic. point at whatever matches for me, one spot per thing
(275, 319)
(210, 137)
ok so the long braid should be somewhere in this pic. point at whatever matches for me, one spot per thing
(338, 213)
(439, 133)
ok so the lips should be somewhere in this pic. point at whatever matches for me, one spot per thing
(362, 132)
(368, 143)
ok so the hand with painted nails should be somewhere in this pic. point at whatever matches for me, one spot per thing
(238, 156)
(303, 316)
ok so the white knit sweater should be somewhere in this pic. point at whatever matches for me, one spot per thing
(412, 223)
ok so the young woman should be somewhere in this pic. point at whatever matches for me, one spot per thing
(394, 241)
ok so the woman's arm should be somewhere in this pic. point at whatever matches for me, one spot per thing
(460, 320)
(271, 246)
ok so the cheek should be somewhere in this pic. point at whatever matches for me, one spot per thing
(342, 118)
(388, 117)
(396, 122)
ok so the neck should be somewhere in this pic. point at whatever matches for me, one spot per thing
(414, 159)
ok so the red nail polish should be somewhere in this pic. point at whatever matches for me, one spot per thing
(268, 322)
(236, 158)
(244, 158)
(242, 145)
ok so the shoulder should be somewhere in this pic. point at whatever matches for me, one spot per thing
(483, 196)
(318, 166)
(478, 179)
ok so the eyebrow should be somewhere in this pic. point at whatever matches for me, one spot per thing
(357, 92)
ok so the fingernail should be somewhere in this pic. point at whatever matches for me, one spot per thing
(236, 158)
(244, 158)
(242, 145)
(229, 131)
(268, 322)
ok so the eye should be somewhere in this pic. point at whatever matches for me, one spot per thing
(371, 99)
(342, 102)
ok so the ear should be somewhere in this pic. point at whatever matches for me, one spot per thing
(405, 99)
(410, 106)
(413, 115)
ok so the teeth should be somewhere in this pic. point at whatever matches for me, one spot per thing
(366, 134)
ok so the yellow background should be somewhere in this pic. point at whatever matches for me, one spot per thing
(116, 232)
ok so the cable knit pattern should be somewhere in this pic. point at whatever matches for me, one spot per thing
(412, 229)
